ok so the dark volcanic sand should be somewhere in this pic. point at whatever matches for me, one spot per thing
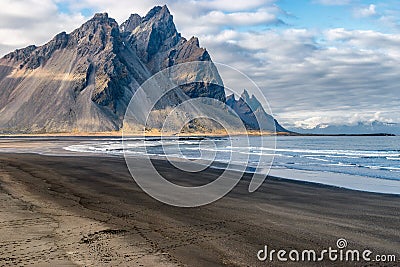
(88, 211)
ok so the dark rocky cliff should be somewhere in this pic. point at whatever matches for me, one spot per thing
(84, 80)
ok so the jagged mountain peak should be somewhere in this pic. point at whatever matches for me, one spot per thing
(159, 13)
(251, 101)
(252, 113)
(245, 95)
(98, 21)
(195, 41)
(230, 98)
(131, 23)
(100, 33)
(153, 37)
(100, 16)
(189, 51)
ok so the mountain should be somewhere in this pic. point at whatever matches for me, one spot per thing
(374, 127)
(252, 113)
(83, 81)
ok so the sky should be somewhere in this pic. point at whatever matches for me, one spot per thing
(318, 62)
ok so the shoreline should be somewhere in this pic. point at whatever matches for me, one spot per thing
(199, 134)
(57, 146)
(98, 215)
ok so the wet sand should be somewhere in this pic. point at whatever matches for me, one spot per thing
(88, 211)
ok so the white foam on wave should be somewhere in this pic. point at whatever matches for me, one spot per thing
(329, 152)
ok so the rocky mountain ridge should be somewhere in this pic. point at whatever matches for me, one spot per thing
(252, 113)
(83, 81)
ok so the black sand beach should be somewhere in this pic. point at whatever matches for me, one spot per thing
(87, 210)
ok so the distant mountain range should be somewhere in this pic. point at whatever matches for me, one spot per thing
(374, 127)
(83, 81)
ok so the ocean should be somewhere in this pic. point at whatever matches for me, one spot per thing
(362, 163)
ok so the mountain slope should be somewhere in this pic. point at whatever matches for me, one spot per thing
(252, 113)
(83, 81)
(76, 81)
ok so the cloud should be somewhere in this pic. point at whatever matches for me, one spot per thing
(118, 10)
(241, 19)
(333, 2)
(32, 22)
(234, 6)
(349, 72)
(389, 17)
(366, 11)
(372, 41)
(318, 120)
(36, 21)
